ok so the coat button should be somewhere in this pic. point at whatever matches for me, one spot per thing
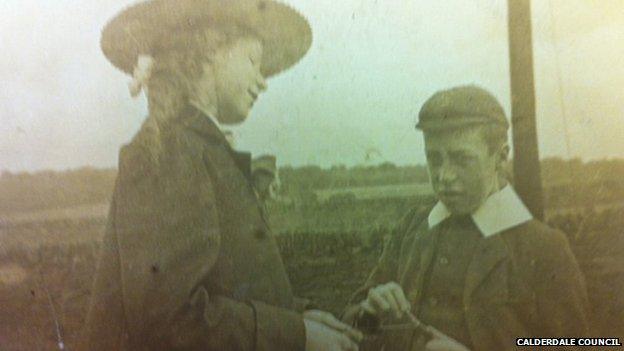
(444, 261)
(260, 233)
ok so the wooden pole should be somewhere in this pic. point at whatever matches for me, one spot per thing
(527, 177)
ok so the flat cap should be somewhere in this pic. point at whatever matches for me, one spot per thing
(460, 107)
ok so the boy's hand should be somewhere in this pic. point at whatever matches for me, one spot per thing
(386, 298)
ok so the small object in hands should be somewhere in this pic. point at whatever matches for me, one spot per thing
(432, 332)
(417, 324)
(368, 323)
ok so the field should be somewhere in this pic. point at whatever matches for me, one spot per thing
(376, 192)
(330, 228)
(45, 284)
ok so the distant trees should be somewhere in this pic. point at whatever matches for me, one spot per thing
(574, 183)
(556, 170)
(566, 182)
(315, 178)
(50, 189)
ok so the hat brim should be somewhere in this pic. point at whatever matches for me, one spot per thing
(285, 34)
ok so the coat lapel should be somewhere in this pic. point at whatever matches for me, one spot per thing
(488, 254)
(204, 126)
(428, 243)
(243, 162)
(201, 124)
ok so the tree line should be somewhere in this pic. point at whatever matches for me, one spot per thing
(593, 182)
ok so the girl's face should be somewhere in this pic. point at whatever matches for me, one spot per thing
(237, 79)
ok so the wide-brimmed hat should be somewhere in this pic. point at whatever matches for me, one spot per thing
(285, 34)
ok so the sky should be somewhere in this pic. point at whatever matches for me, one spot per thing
(353, 99)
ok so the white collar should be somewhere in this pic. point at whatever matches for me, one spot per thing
(500, 211)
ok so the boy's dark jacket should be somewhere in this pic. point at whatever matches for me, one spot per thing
(522, 282)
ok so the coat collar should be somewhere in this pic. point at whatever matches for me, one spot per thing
(208, 115)
(206, 126)
(193, 118)
(500, 211)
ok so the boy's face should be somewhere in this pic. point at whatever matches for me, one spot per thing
(462, 170)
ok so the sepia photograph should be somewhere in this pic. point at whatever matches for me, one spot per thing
(297, 175)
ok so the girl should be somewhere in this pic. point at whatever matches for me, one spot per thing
(188, 261)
